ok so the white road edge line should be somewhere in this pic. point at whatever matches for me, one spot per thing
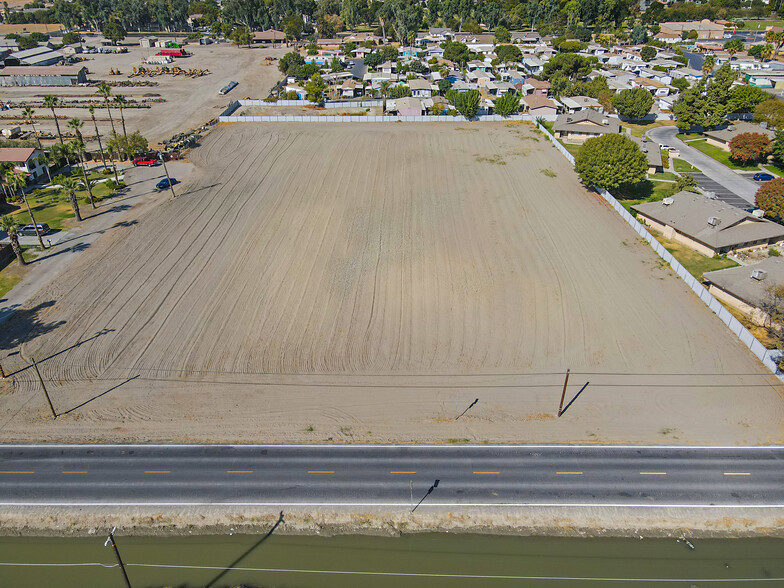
(401, 504)
(453, 447)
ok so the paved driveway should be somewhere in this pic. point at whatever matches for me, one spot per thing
(725, 182)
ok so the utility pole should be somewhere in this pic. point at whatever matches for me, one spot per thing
(43, 386)
(563, 394)
(110, 541)
(171, 187)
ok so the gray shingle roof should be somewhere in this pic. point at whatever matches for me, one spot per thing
(586, 121)
(689, 213)
(738, 281)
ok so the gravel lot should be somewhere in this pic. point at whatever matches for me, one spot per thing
(367, 282)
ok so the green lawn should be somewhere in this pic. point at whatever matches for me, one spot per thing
(52, 207)
(720, 155)
(663, 176)
(682, 166)
(687, 136)
(696, 263)
(573, 149)
(646, 191)
(9, 278)
(774, 169)
(638, 130)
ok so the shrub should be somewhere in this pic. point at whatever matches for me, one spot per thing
(770, 198)
(610, 162)
(749, 147)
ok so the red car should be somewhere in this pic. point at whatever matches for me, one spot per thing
(151, 161)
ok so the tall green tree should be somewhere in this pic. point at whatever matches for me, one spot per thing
(633, 103)
(507, 104)
(77, 148)
(10, 225)
(68, 186)
(611, 162)
(51, 101)
(121, 103)
(27, 113)
(105, 91)
(467, 103)
(91, 110)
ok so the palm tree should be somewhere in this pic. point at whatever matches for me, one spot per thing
(384, 87)
(78, 148)
(11, 226)
(68, 186)
(76, 125)
(91, 110)
(28, 114)
(50, 101)
(43, 159)
(19, 181)
(5, 167)
(105, 90)
(708, 64)
(767, 52)
(120, 101)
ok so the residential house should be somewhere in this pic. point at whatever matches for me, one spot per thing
(711, 227)
(499, 88)
(574, 104)
(722, 137)
(745, 288)
(24, 159)
(420, 88)
(691, 75)
(407, 52)
(533, 65)
(480, 78)
(583, 125)
(537, 105)
(387, 67)
(350, 89)
(540, 87)
(407, 106)
(654, 87)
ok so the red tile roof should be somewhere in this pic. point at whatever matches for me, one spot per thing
(15, 154)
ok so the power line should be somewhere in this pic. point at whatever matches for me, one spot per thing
(399, 574)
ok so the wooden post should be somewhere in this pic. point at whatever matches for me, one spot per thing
(43, 386)
(563, 394)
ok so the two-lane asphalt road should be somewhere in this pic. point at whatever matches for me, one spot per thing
(354, 475)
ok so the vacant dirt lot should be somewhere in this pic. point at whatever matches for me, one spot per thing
(368, 282)
(190, 102)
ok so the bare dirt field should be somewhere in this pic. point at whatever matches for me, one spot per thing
(367, 282)
(190, 102)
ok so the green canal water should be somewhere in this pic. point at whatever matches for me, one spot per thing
(431, 560)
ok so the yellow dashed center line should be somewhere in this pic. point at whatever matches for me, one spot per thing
(75, 472)
(402, 472)
(653, 473)
(15, 472)
(321, 472)
(158, 472)
(239, 471)
(486, 473)
(737, 473)
(569, 473)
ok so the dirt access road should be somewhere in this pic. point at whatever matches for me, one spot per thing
(367, 283)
